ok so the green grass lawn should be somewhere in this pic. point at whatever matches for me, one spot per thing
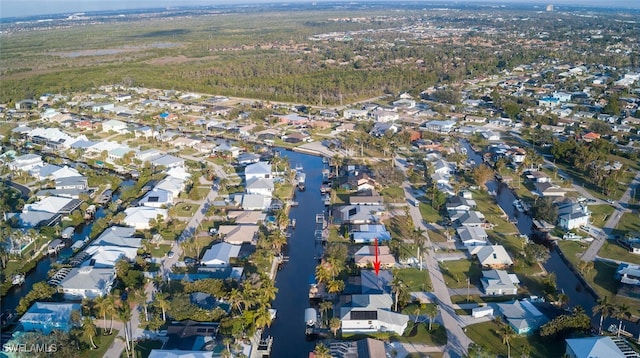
(415, 279)
(283, 191)
(429, 214)
(160, 250)
(185, 209)
(455, 273)
(629, 223)
(393, 194)
(143, 348)
(572, 250)
(486, 335)
(103, 343)
(437, 236)
(615, 251)
(600, 214)
(420, 334)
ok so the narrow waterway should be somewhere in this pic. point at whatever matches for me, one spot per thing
(292, 281)
(565, 278)
(41, 271)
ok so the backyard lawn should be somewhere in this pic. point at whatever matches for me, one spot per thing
(455, 273)
(393, 194)
(419, 334)
(629, 223)
(415, 280)
(600, 214)
(429, 214)
(486, 335)
(615, 251)
(185, 209)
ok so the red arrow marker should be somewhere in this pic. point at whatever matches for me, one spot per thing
(376, 263)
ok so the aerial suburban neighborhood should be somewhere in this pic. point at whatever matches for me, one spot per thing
(490, 214)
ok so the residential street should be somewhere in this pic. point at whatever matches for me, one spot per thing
(612, 222)
(457, 340)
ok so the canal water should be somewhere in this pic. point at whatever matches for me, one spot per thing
(41, 271)
(565, 278)
(292, 281)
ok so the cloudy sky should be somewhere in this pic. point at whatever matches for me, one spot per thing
(18, 8)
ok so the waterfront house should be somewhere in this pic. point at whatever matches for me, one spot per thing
(492, 256)
(26, 162)
(260, 186)
(253, 201)
(499, 282)
(572, 215)
(367, 233)
(371, 313)
(157, 198)
(220, 255)
(471, 219)
(174, 183)
(370, 283)
(46, 316)
(239, 234)
(140, 217)
(260, 170)
(366, 256)
(471, 236)
(363, 348)
(246, 217)
(628, 274)
(522, 316)
(592, 347)
(549, 190)
(370, 199)
(438, 126)
(87, 282)
(359, 214)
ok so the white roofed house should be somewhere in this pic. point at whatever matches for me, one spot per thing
(87, 282)
(239, 234)
(220, 255)
(492, 256)
(499, 282)
(157, 198)
(26, 162)
(371, 313)
(472, 236)
(166, 160)
(114, 125)
(572, 215)
(260, 186)
(140, 217)
(257, 170)
(47, 316)
(171, 184)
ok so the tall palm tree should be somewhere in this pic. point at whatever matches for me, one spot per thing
(325, 307)
(161, 299)
(89, 331)
(621, 312)
(236, 299)
(322, 351)
(140, 298)
(431, 309)
(397, 286)
(335, 286)
(506, 332)
(604, 308)
(322, 274)
(101, 304)
(263, 317)
(334, 324)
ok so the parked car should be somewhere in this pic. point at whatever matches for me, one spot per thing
(170, 254)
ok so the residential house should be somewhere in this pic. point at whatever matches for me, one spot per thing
(220, 255)
(26, 162)
(382, 128)
(590, 137)
(74, 182)
(253, 201)
(358, 214)
(260, 186)
(239, 234)
(258, 170)
(471, 219)
(371, 199)
(246, 217)
(492, 256)
(539, 177)
(472, 236)
(141, 217)
(459, 204)
(443, 167)
(596, 347)
(115, 125)
(549, 190)
(367, 233)
(44, 212)
(166, 160)
(157, 198)
(522, 316)
(87, 282)
(366, 256)
(368, 313)
(46, 316)
(438, 126)
(174, 183)
(363, 348)
(499, 282)
(572, 215)
(355, 114)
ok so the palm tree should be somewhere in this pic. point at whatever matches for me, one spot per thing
(397, 286)
(621, 312)
(110, 310)
(89, 331)
(162, 301)
(322, 274)
(506, 332)
(431, 310)
(101, 304)
(334, 324)
(322, 351)
(335, 286)
(236, 299)
(325, 306)
(263, 317)
(604, 308)
(140, 297)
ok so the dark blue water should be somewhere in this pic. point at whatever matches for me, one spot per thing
(565, 278)
(292, 281)
(41, 271)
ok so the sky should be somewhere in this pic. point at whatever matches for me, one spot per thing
(20, 8)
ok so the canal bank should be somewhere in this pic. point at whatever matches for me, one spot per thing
(567, 279)
(292, 280)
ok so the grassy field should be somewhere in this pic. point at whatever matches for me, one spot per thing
(185, 209)
(613, 250)
(629, 223)
(415, 280)
(420, 334)
(283, 191)
(160, 250)
(429, 214)
(456, 273)
(573, 250)
(600, 214)
(486, 335)
(393, 194)
(103, 343)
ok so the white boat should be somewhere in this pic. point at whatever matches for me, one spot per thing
(518, 205)
(17, 279)
(272, 312)
(293, 222)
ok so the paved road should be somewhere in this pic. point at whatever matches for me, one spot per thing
(621, 207)
(457, 340)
